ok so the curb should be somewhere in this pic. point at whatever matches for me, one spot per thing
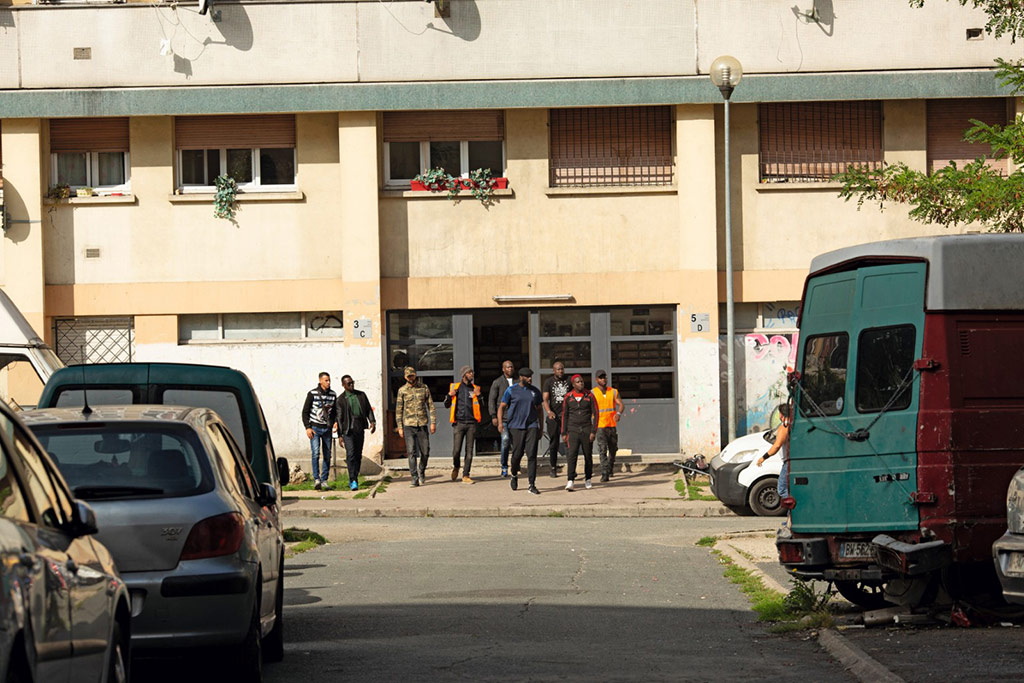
(855, 660)
(737, 557)
(531, 511)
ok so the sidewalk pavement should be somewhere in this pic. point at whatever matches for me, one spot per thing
(648, 493)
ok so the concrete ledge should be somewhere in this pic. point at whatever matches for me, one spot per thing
(856, 661)
(331, 509)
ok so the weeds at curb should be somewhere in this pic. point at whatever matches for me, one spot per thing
(708, 541)
(556, 513)
(304, 540)
(692, 491)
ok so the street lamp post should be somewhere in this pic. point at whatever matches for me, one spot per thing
(726, 73)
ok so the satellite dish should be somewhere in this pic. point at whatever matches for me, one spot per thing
(204, 6)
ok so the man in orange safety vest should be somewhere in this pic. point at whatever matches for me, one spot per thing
(609, 412)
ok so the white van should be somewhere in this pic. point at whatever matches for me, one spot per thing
(26, 362)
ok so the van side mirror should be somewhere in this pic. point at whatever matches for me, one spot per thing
(83, 519)
(283, 471)
(268, 494)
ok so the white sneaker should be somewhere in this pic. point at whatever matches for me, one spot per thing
(589, 485)
(568, 485)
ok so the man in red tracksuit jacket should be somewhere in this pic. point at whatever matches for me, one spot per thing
(579, 427)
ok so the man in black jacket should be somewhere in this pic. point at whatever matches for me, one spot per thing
(498, 388)
(318, 418)
(355, 414)
(579, 427)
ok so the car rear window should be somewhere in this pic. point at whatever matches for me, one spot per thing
(106, 460)
(226, 403)
(100, 396)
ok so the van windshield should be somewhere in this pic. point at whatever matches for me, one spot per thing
(106, 460)
(226, 403)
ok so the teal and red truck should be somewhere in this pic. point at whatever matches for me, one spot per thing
(909, 426)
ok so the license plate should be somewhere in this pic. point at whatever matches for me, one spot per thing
(851, 550)
(1015, 564)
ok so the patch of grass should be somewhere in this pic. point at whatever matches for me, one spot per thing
(692, 491)
(382, 486)
(708, 541)
(767, 603)
(292, 535)
(556, 513)
(362, 494)
(341, 483)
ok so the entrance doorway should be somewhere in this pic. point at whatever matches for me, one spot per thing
(497, 336)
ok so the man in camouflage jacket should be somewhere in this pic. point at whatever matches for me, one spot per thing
(414, 413)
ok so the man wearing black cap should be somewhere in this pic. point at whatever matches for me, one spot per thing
(521, 411)
(464, 401)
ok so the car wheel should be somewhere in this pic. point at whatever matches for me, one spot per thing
(273, 646)
(250, 653)
(866, 594)
(117, 671)
(764, 498)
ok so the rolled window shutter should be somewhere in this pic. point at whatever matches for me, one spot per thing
(100, 134)
(437, 126)
(234, 131)
(947, 121)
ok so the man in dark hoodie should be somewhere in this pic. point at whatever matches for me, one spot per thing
(318, 417)
(579, 427)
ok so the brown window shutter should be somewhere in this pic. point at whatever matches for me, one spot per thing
(101, 134)
(813, 141)
(947, 121)
(435, 126)
(234, 131)
(611, 146)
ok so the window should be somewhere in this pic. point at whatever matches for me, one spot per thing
(90, 152)
(457, 141)
(885, 356)
(225, 402)
(812, 141)
(263, 327)
(643, 351)
(611, 146)
(52, 508)
(947, 122)
(94, 339)
(824, 374)
(257, 151)
(12, 500)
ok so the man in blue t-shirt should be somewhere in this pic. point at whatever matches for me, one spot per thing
(521, 412)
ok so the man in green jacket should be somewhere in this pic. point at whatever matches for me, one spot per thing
(414, 413)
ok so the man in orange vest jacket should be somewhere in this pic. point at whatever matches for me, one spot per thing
(609, 411)
(463, 400)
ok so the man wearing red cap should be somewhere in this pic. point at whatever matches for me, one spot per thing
(579, 427)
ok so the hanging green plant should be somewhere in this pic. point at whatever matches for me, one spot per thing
(58, 192)
(225, 202)
(482, 184)
(439, 180)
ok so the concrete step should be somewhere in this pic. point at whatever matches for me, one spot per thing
(489, 463)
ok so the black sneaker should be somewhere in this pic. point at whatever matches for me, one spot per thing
(514, 482)
(316, 486)
(604, 477)
(534, 491)
(415, 483)
(554, 472)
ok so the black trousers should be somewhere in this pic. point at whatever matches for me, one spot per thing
(525, 441)
(607, 446)
(554, 428)
(580, 438)
(460, 431)
(354, 452)
(417, 438)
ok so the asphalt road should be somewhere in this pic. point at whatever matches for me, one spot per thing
(528, 599)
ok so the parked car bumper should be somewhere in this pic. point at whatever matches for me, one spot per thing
(1008, 554)
(725, 483)
(199, 603)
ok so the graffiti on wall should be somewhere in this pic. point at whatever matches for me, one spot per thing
(762, 361)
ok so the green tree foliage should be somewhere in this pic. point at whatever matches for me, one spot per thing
(973, 193)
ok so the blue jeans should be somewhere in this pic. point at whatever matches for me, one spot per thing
(784, 480)
(506, 445)
(321, 439)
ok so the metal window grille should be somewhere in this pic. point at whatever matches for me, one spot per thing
(813, 141)
(94, 340)
(611, 146)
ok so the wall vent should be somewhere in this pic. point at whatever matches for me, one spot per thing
(965, 343)
(82, 52)
(92, 252)
(975, 34)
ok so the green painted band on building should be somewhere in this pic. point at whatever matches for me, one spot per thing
(494, 94)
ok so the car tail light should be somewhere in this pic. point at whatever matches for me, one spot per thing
(214, 536)
(791, 553)
(788, 503)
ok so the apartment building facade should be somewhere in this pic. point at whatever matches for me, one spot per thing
(604, 248)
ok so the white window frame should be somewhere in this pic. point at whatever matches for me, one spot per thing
(425, 162)
(92, 172)
(254, 186)
(302, 330)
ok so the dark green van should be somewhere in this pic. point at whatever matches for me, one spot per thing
(225, 390)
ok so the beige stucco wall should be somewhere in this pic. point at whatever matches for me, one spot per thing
(314, 42)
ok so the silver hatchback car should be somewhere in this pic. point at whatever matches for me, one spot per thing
(195, 537)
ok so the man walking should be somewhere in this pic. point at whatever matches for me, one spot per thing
(555, 390)
(498, 388)
(609, 410)
(414, 411)
(464, 401)
(579, 427)
(318, 417)
(521, 412)
(354, 415)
